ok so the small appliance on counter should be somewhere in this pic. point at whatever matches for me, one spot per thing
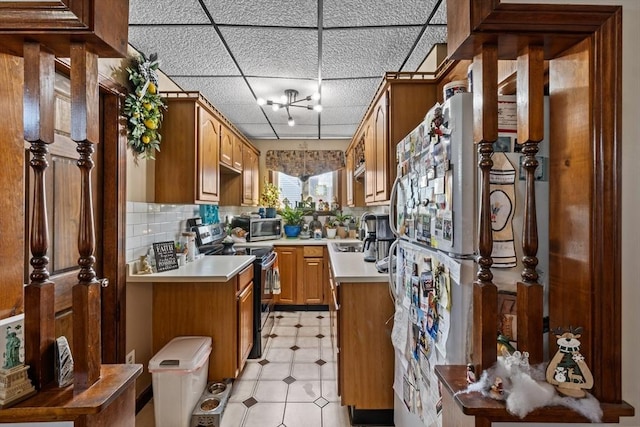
(259, 229)
(369, 246)
(384, 236)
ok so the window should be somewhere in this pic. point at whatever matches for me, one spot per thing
(319, 187)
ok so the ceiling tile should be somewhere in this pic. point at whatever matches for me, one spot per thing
(431, 36)
(184, 50)
(255, 131)
(219, 90)
(297, 131)
(365, 52)
(338, 131)
(343, 115)
(340, 13)
(349, 92)
(440, 17)
(166, 12)
(242, 113)
(299, 13)
(274, 52)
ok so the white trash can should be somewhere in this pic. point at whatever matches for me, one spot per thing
(179, 375)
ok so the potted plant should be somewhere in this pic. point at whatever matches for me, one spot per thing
(292, 220)
(331, 228)
(341, 222)
(270, 199)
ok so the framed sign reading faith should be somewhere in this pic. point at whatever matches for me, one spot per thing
(165, 256)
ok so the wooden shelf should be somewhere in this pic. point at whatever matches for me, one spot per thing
(453, 379)
(62, 404)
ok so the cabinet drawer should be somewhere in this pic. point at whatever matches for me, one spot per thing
(244, 278)
(312, 251)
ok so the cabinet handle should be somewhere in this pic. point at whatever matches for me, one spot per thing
(335, 301)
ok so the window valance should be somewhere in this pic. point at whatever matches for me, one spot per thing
(305, 163)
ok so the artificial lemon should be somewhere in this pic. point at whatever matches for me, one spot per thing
(152, 88)
(147, 106)
(136, 115)
(150, 124)
(145, 139)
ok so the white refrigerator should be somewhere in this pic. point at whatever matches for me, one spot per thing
(433, 210)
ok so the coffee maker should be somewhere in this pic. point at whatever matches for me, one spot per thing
(384, 236)
(369, 244)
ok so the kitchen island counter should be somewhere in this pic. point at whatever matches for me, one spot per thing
(350, 267)
(213, 268)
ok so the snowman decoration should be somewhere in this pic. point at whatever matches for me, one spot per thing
(568, 370)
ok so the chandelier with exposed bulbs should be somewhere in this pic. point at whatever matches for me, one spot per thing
(290, 99)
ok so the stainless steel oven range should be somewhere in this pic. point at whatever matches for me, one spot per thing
(209, 241)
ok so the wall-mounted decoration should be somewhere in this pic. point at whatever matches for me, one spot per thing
(143, 107)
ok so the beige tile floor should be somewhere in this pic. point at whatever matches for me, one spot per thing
(293, 385)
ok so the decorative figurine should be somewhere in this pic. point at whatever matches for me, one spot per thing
(568, 370)
(145, 267)
(497, 389)
(471, 373)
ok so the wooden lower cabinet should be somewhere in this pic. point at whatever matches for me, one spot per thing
(365, 353)
(245, 324)
(220, 310)
(303, 277)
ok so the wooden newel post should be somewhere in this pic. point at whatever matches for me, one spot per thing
(86, 294)
(485, 133)
(530, 80)
(39, 78)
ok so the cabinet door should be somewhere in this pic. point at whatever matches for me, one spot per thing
(349, 178)
(247, 176)
(380, 141)
(370, 163)
(288, 265)
(208, 143)
(313, 281)
(226, 147)
(238, 148)
(245, 325)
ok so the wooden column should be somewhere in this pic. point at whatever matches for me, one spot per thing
(39, 77)
(485, 133)
(530, 79)
(85, 131)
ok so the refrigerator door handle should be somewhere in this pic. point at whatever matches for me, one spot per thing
(392, 205)
(392, 271)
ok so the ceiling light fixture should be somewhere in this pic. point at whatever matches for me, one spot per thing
(289, 99)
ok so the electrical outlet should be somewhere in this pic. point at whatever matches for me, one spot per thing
(131, 358)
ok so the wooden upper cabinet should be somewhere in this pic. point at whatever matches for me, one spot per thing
(238, 149)
(370, 164)
(226, 148)
(208, 138)
(187, 167)
(249, 176)
(380, 142)
(398, 107)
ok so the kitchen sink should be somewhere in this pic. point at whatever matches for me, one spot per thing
(347, 247)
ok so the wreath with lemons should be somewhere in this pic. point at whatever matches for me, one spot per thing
(143, 107)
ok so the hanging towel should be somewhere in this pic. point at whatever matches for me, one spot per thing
(276, 279)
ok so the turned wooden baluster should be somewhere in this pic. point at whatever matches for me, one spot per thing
(39, 79)
(86, 294)
(485, 133)
(530, 80)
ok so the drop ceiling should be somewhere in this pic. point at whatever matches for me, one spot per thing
(235, 51)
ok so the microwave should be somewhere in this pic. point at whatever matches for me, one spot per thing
(259, 229)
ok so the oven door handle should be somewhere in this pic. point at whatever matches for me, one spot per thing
(272, 259)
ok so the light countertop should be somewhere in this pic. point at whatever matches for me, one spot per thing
(285, 241)
(214, 268)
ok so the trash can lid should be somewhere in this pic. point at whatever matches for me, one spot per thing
(183, 354)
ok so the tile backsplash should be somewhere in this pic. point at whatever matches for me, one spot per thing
(150, 222)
